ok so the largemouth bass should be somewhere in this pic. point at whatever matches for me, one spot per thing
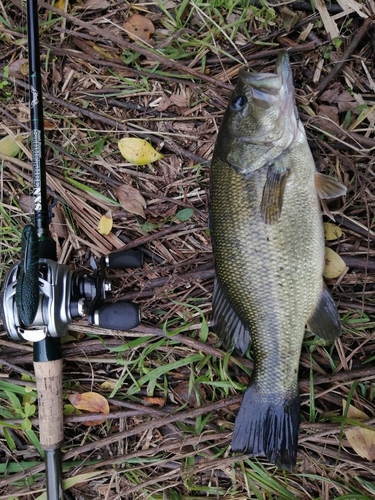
(269, 252)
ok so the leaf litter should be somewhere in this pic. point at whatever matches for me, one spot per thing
(172, 391)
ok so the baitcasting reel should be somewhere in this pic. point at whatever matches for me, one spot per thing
(41, 297)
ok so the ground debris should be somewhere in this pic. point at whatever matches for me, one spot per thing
(172, 392)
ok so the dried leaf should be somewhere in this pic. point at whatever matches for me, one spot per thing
(334, 264)
(131, 200)
(105, 223)
(9, 146)
(139, 27)
(138, 151)
(19, 67)
(330, 112)
(49, 125)
(183, 394)
(290, 18)
(26, 203)
(331, 231)
(58, 224)
(91, 402)
(155, 401)
(353, 412)
(361, 439)
(96, 4)
(336, 94)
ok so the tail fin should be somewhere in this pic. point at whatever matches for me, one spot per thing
(268, 424)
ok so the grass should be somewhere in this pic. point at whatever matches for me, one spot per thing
(173, 392)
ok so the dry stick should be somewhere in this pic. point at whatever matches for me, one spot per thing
(328, 125)
(346, 55)
(358, 263)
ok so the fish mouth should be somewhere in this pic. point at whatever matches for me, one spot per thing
(269, 88)
(284, 70)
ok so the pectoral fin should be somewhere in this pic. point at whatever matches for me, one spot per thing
(328, 187)
(325, 320)
(228, 326)
(273, 194)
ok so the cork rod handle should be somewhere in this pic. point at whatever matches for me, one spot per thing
(49, 386)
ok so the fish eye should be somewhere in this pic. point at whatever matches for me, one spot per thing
(238, 102)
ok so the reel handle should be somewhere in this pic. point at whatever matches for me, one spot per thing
(124, 259)
(118, 316)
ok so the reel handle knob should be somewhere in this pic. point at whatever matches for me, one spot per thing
(124, 259)
(118, 316)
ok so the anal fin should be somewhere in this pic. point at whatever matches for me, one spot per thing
(227, 325)
(325, 320)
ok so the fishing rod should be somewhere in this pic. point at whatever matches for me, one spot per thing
(41, 297)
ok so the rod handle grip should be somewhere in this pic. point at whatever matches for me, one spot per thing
(50, 403)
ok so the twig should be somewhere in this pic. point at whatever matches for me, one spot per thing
(346, 55)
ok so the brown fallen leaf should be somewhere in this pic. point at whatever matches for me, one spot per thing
(175, 99)
(19, 67)
(361, 439)
(96, 4)
(336, 94)
(91, 402)
(26, 203)
(139, 27)
(131, 200)
(330, 112)
(183, 394)
(58, 224)
(153, 400)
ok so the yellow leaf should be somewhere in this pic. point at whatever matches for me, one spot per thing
(138, 151)
(60, 4)
(131, 200)
(9, 146)
(107, 386)
(331, 231)
(105, 223)
(334, 264)
(361, 439)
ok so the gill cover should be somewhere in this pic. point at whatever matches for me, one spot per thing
(261, 121)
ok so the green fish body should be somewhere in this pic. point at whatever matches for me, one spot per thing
(269, 252)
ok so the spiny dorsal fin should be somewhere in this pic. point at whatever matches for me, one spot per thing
(273, 194)
(328, 187)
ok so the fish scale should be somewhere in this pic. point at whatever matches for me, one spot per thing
(268, 242)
